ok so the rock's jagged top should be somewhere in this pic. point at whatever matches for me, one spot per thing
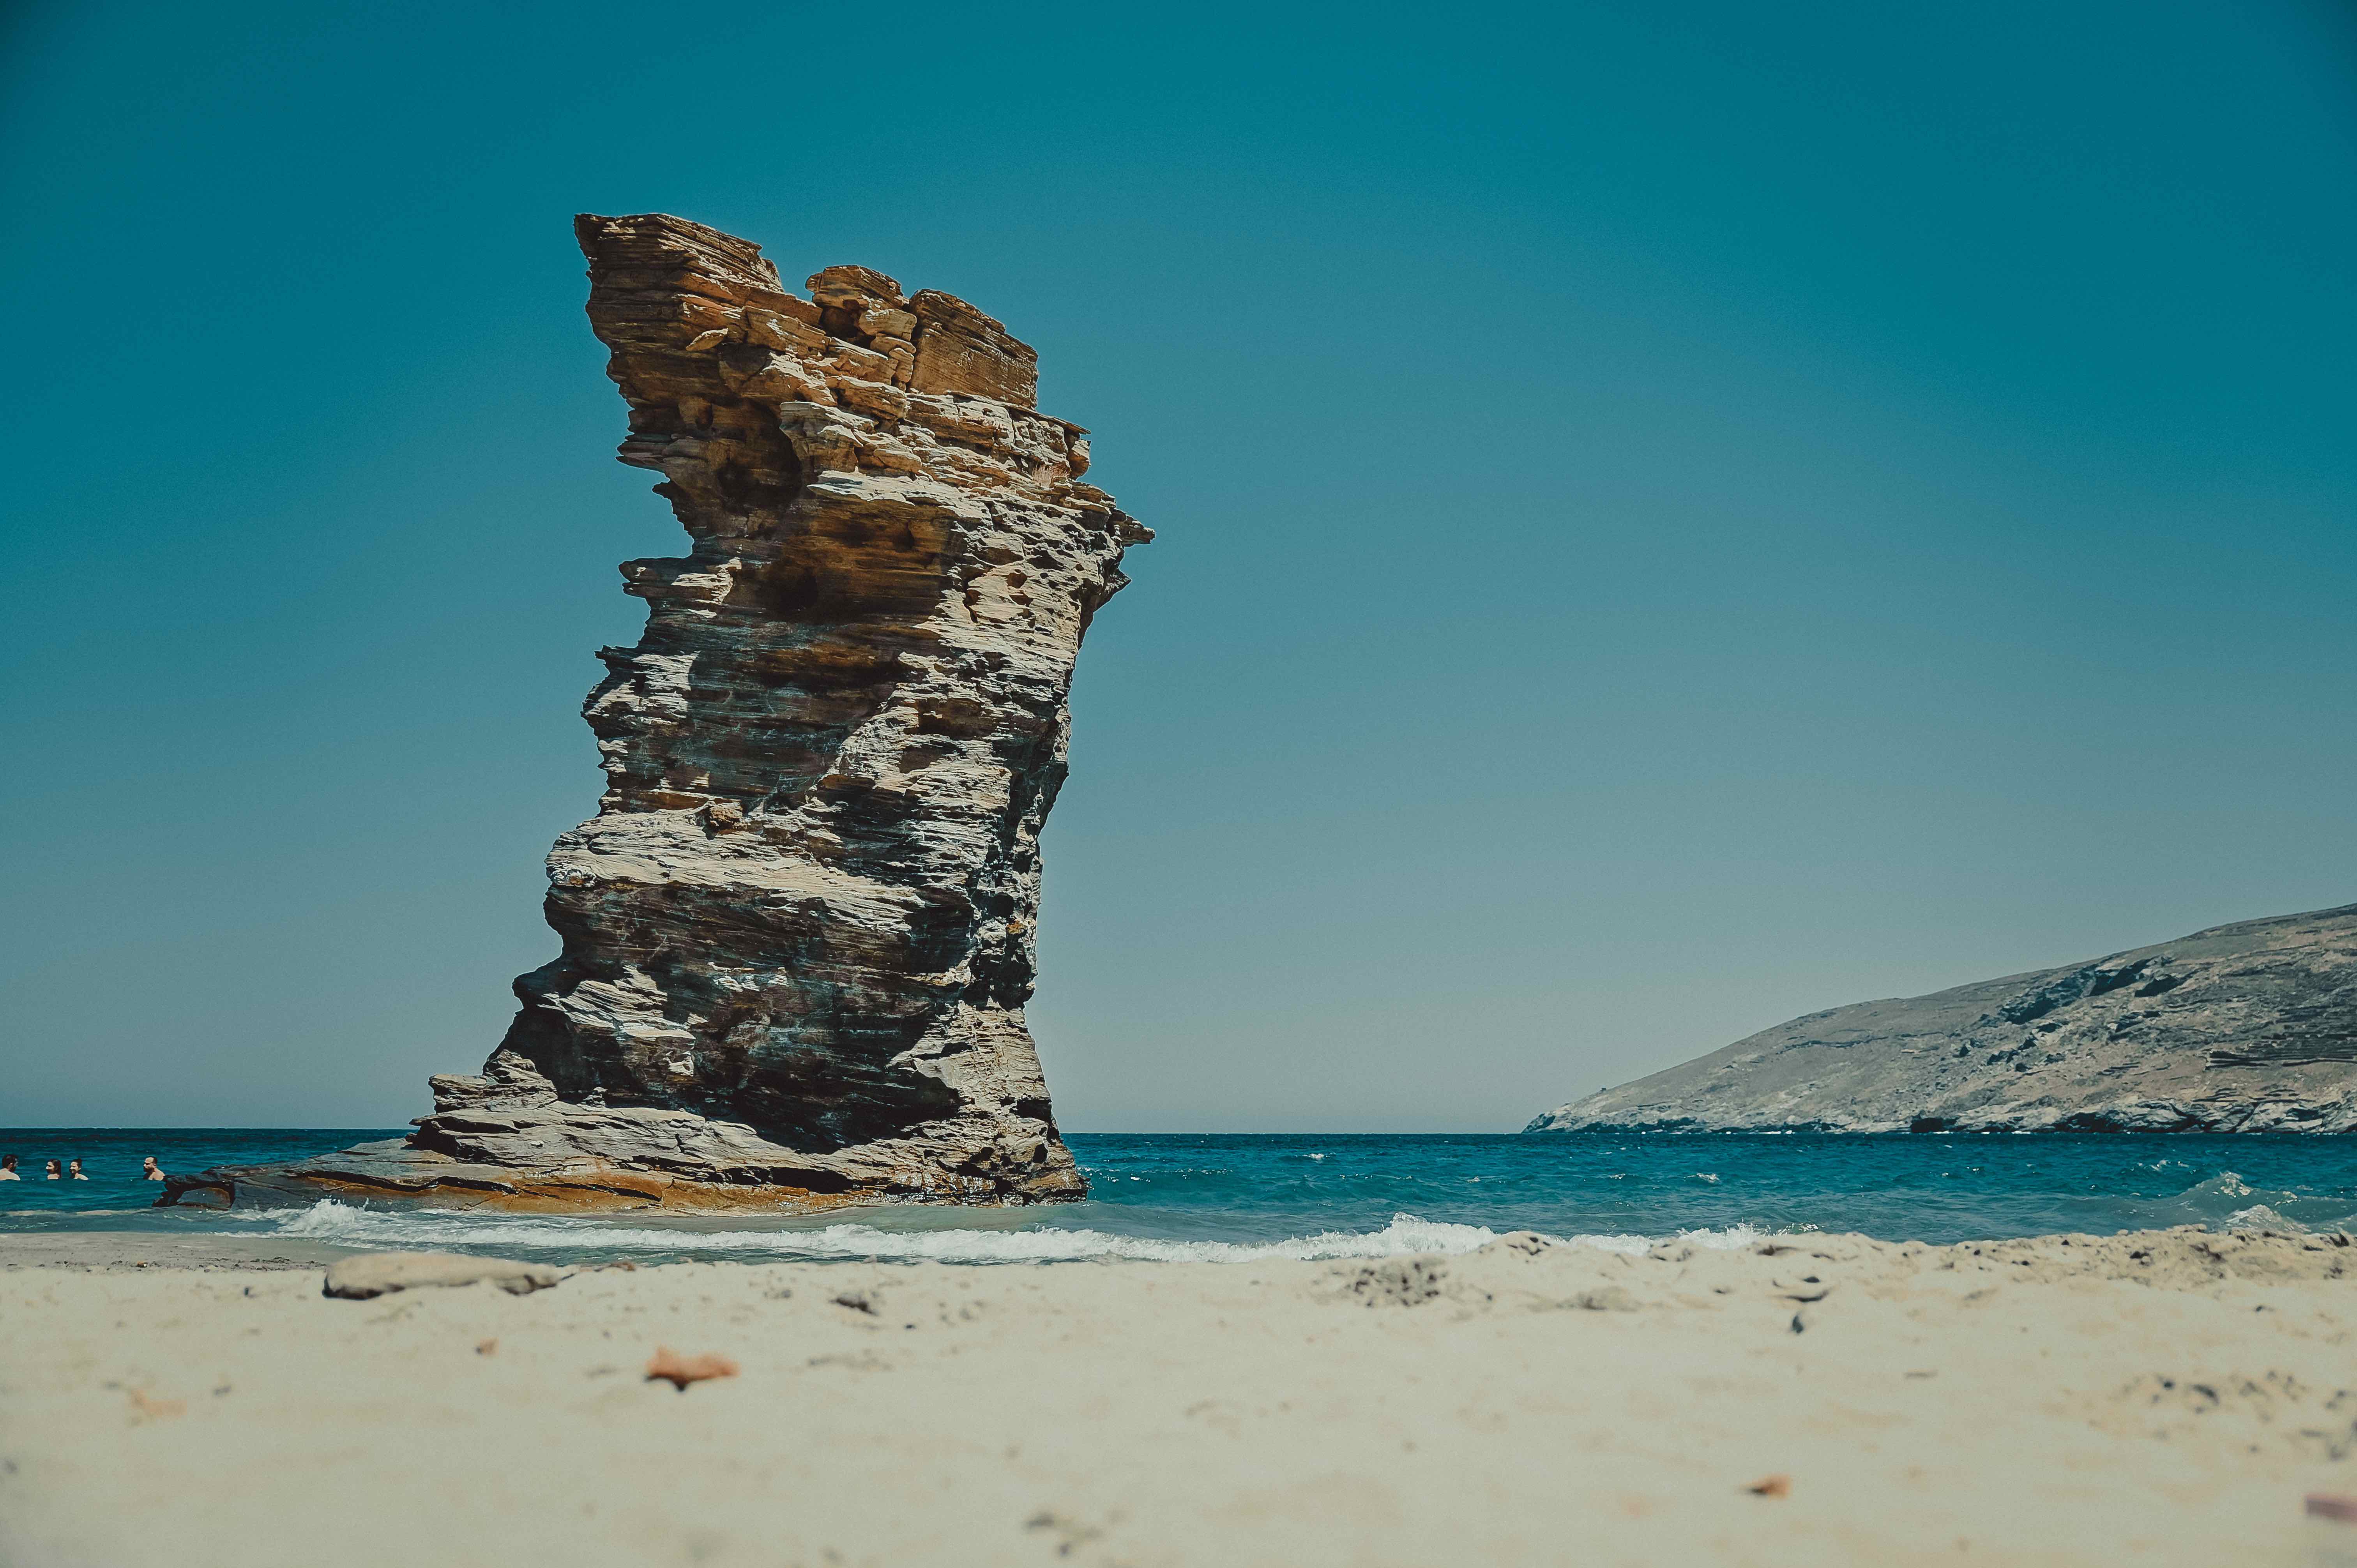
(797, 934)
(2246, 1027)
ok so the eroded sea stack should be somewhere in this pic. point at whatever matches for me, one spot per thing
(797, 934)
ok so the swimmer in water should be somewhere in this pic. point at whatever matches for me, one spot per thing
(8, 1168)
(73, 1170)
(149, 1170)
(50, 1171)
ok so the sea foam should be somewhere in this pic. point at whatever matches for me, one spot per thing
(359, 1226)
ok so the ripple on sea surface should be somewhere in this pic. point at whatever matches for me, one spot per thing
(1238, 1197)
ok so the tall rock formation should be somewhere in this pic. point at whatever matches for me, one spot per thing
(2250, 1028)
(797, 934)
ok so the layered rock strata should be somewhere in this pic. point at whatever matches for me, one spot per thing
(797, 936)
(2250, 1028)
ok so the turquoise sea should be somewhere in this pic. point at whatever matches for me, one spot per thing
(1222, 1196)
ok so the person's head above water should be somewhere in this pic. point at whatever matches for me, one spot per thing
(74, 1169)
(50, 1170)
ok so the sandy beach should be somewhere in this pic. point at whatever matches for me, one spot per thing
(2162, 1397)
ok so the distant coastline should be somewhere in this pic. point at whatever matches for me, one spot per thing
(2248, 1028)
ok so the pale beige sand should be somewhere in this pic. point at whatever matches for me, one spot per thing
(2158, 1398)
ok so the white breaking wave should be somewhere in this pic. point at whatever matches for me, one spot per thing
(2265, 1213)
(337, 1222)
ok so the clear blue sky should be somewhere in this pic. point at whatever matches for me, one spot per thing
(1672, 516)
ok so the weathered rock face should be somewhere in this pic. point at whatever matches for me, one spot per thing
(2250, 1028)
(797, 934)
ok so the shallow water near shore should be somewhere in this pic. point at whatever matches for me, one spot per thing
(1237, 1197)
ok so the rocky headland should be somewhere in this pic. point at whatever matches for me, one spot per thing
(797, 934)
(2250, 1028)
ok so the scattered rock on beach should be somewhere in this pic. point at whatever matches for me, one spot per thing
(2273, 1412)
(678, 1370)
(1606, 1299)
(1529, 1244)
(1397, 1282)
(146, 1407)
(380, 1273)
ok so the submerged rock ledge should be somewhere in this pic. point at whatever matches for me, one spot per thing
(797, 936)
(2250, 1028)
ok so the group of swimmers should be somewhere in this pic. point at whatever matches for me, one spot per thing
(148, 1170)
